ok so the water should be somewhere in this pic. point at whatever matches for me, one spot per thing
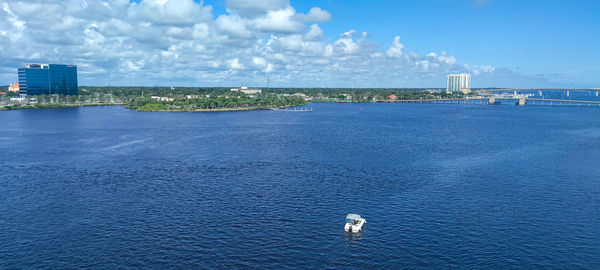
(441, 186)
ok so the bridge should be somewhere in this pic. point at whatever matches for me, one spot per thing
(520, 100)
(540, 91)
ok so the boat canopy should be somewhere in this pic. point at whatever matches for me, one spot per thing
(351, 217)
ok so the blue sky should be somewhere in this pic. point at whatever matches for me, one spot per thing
(411, 43)
(544, 36)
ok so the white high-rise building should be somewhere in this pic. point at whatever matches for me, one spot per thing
(458, 82)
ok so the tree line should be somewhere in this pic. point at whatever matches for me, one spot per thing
(238, 101)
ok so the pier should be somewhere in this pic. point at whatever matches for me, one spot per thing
(295, 110)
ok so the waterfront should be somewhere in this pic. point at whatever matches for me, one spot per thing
(440, 186)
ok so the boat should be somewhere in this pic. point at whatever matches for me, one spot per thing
(354, 223)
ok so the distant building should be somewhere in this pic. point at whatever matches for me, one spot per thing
(247, 90)
(303, 96)
(18, 100)
(162, 98)
(393, 97)
(14, 87)
(48, 79)
(458, 82)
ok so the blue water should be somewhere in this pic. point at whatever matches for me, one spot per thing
(441, 186)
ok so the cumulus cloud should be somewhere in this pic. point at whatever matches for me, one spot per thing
(447, 59)
(235, 64)
(278, 21)
(169, 42)
(14, 27)
(316, 14)
(233, 25)
(315, 33)
(172, 12)
(252, 8)
(397, 48)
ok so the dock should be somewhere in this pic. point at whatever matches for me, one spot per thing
(295, 109)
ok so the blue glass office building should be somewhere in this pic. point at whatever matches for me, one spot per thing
(48, 79)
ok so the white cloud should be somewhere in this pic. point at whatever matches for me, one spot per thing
(179, 42)
(315, 33)
(316, 14)
(278, 21)
(397, 49)
(349, 42)
(447, 59)
(423, 63)
(479, 69)
(259, 61)
(235, 63)
(10, 27)
(129, 66)
(269, 68)
(200, 31)
(274, 16)
(116, 27)
(251, 8)
(172, 12)
(234, 26)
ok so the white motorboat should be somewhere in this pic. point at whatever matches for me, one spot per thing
(354, 223)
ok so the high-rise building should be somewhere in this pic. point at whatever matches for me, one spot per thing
(458, 82)
(48, 79)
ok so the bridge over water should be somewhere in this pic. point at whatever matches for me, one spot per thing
(567, 91)
(520, 100)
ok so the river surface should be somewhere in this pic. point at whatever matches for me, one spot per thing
(441, 186)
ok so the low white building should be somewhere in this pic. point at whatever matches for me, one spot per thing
(162, 98)
(303, 96)
(247, 90)
(18, 100)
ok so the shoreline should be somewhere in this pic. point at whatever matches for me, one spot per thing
(60, 106)
(53, 106)
(219, 109)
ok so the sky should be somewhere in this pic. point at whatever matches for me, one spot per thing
(321, 43)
